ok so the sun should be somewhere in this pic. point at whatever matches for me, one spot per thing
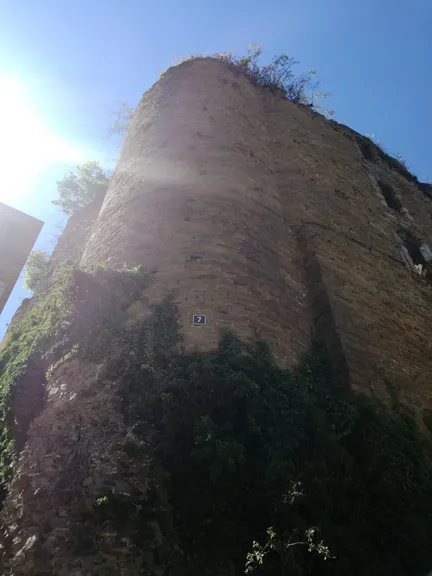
(27, 145)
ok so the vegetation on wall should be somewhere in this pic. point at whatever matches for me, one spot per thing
(303, 89)
(280, 75)
(375, 152)
(122, 118)
(88, 181)
(270, 471)
(81, 187)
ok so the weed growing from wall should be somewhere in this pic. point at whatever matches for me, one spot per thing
(234, 435)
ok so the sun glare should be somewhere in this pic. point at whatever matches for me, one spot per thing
(27, 146)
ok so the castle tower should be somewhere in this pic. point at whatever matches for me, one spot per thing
(195, 196)
(265, 217)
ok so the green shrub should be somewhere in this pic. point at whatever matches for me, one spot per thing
(243, 444)
(122, 119)
(82, 187)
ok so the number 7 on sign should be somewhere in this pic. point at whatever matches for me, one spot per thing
(199, 320)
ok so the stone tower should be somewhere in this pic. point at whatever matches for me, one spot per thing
(272, 220)
(260, 215)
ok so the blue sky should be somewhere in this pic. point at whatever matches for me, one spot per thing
(63, 65)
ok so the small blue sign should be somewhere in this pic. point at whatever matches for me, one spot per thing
(199, 320)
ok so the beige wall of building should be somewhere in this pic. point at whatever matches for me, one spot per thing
(18, 233)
